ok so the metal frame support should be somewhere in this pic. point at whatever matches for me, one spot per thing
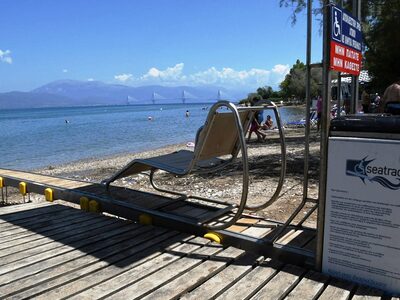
(305, 198)
(356, 10)
(326, 96)
(308, 100)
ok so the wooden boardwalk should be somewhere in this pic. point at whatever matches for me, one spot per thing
(52, 251)
(249, 233)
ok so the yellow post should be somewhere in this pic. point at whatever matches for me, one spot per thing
(22, 188)
(84, 203)
(1, 182)
(212, 236)
(145, 219)
(49, 194)
(94, 206)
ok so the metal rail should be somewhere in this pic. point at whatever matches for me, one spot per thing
(272, 106)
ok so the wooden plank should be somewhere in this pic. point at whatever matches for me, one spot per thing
(145, 277)
(109, 258)
(164, 275)
(71, 184)
(281, 284)
(7, 227)
(136, 197)
(310, 286)
(43, 227)
(196, 276)
(224, 279)
(26, 214)
(297, 238)
(18, 256)
(39, 243)
(84, 239)
(34, 264)
(246, 286)
(367, 293)
(6, 210)
(242, 224)
(338, 290)
(259, 230)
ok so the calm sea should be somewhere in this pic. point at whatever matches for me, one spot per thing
(35, 138)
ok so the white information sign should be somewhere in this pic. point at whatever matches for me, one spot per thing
(362, 214)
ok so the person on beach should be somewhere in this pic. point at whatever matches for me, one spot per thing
(365, 101)
(268, 123)
(390, 102)
(255, 127)
(377, 99)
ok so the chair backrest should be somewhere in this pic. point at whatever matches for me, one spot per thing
(220, 135)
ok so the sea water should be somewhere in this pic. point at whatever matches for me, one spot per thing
(37, 138)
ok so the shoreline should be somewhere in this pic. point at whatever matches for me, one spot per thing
(264, 165)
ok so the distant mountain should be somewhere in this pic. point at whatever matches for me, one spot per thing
(88, 93)
(29, 100)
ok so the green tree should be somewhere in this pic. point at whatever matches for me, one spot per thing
(294, 84)
(381, 38)
(265, 92)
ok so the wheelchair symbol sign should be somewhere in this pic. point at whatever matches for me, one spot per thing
(336, 24)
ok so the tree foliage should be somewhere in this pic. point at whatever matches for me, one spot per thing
(294, 84)
(381, 37)
(382, 55)
(265, 92)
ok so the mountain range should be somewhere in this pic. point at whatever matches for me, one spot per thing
(63, 93)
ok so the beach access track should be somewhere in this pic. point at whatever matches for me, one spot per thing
(50, 251)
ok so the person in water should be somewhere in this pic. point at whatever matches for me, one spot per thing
(187, 114)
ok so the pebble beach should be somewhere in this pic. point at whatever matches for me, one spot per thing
(264, 164)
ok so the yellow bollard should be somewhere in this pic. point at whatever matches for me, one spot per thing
(94, 206)
(145, 219)
(1, 182)
(22, 188)
(84, 203)
(49, 194)
(212, 236)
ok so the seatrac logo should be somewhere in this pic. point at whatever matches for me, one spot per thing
(373, 173)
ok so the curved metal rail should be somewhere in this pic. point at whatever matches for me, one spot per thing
(245, 181)
(278, 189)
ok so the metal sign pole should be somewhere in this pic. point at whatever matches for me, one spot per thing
(326, 96)
(354, 79)
(308, 100)
(339, 86)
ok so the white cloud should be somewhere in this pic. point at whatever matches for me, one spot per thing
(65, 71)
(227, 77)
(5, 56)
(90, 79)
(123, 77)
(169, 74)
(281, 69)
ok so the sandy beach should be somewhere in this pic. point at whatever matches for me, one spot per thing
(264, 164)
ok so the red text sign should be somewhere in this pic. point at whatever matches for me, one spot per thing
(345, 59)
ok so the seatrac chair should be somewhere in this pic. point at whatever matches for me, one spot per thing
(218, 143)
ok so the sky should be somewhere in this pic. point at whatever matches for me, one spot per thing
(237, 44)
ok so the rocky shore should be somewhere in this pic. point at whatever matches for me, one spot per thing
(264, 163)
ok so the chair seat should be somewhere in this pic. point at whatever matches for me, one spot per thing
(177, 162)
